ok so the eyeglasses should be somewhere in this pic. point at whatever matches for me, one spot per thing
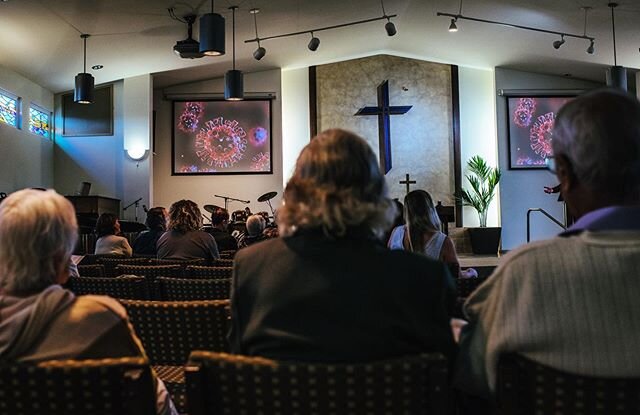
(550, 162)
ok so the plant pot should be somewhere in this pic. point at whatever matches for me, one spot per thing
(485, 241)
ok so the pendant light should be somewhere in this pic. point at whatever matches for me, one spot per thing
(212, 33)
(83, 92)
(233, 79)
(616, 75)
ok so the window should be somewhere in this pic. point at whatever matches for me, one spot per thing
(9, 109)
(39, 121)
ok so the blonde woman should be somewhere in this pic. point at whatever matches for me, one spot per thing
(328, 290)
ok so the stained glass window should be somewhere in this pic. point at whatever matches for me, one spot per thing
(39, 121)
(8, 109)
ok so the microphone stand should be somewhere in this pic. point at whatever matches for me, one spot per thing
(227, 199)
(136, 203)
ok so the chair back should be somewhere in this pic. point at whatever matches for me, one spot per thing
(96, 270)
(126, 287)
(170, 330)
(525, 387)
(151, 272)
(92, 259)
(228, 254)
(182, 262)
(223, 383)
(111, 264)
(181, 289)
(78, 387)
(194, 271)
(223, 262)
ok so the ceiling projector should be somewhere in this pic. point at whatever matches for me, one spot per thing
(188, 48)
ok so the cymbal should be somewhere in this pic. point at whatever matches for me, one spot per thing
(211, 208)
(267, 196)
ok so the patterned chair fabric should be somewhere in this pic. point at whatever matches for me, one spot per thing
(151, 271)
(182, 262)
(170, 330)
(180, 289)
(525, 387)
(194, 271)
(230, 384)
(466, 286)
(229, 254)
(223, 262)
(77, 387)
(96, 270)
(111, 264)
(174, 380)
(126, 287)
(92, 259)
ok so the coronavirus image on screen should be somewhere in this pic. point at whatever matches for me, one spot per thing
(531, 121)
(222, 137)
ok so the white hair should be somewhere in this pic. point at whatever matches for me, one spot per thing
(599, 133)
(255, 225)
(38, 232)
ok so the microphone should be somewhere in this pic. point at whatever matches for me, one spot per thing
(144, 207)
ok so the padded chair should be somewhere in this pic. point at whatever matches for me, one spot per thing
(111, 264)
(170, 330)
(525, 387)
(466, 286)
(78, 387)
(194, 271)
(180, 289)
(92, 259)
(223, 383)
(229, 254)
(96, 270)
(223, 263)
(126, 287)
(182, 262)
(150, 272)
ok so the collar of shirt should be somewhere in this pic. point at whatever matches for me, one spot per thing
(611, 218)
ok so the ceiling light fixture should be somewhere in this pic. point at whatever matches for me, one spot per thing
(83, 92)
(453, 27)
(233, 79)
(389, 27)
(590, 49)
(188, 48)
(212, 33)
(616, 75)
(314, 43)
(260, 52)
(559, 43)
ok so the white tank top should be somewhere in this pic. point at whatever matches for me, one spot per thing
(432, 249)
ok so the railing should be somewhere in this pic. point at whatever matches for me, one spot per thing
(544, 212)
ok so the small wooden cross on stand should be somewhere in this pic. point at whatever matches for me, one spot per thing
(408, 182)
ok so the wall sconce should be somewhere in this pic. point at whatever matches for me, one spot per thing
(137, 153)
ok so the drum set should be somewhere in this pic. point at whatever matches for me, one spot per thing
(239, 217)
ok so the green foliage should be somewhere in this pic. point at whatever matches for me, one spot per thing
(484, 181)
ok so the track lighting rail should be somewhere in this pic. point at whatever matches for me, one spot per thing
(516, 26)
(303, 32)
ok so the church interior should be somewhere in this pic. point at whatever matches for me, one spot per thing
(430, 85)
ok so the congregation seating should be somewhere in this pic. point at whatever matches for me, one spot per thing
(231, 384)
(525, 387)
(151, 271)
(111, 263)
(171, 330)
(78, 387)
(223, 262)
(229, 254)
(125, 287)
(194, 271)
(180, 289)
(96, 270)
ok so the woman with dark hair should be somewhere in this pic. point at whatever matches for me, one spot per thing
(107, 230)
(145, 243)
(328, 290)
(184, 239)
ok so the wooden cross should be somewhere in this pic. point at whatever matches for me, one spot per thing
(383, 111)
(407, 182)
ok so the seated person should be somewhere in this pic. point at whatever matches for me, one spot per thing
(184, 239)
(422, 233)
(571, 302)
(40, 320)
(145, 243)
(220, 230)
(107, 229)
(328, 290)
(255, 227)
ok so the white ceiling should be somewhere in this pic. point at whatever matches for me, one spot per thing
(40, 38)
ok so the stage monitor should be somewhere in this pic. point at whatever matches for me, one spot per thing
(222, 137)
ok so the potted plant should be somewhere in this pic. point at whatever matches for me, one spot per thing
(484, 181)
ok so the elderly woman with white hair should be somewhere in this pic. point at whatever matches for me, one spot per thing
(329, 290)
(40, 320)
(255, 226)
